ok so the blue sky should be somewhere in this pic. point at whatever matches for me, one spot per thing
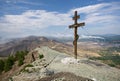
(19, 18)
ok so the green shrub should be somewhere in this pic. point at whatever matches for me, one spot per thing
(29, 65)
(11, 59)
(112, 65)
(20, 56)
(41, 56)
(1, 65)
(20, 62)
(8, 63)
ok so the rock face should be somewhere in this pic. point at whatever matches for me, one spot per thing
(50, 68)
(34, 72)
(46, 72)
(64, 76)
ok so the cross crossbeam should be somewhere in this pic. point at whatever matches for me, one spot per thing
(77, 25)
(76, 36)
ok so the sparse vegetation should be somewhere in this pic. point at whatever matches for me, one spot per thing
(20, 62)
(1, 66)
(114, 49)
(20, 56)
(6, 64)
(29, 65)
(24, 70)
(109, 56)
(10, 79)
(9, 63)
(41, 56)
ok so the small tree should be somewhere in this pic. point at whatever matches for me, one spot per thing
(1, 65)
(20, 62)
(9, 63)
(20, 57)
(41, 56)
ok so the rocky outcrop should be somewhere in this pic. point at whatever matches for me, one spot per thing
(50, 68)
(64, 76)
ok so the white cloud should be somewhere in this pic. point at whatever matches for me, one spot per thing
(101, 18)
(34, 20)
(104, 12)
(90, 9)
(23, 2)
(89, 37)
(30, 3)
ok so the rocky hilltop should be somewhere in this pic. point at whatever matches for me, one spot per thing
(53, 67)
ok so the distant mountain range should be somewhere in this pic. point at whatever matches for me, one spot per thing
(31, 42)
(4, 40)
(20, 44)
(97, 38)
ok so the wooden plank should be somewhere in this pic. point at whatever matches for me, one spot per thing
(72, 26)
(77, 25)
(76, 17)
(81, 24)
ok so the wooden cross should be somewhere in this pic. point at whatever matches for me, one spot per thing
(76, 36)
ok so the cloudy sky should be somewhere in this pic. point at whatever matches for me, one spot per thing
(19, 18)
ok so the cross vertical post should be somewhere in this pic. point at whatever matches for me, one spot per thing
(76, 36)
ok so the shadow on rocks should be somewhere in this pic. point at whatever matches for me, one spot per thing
(64, 76)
